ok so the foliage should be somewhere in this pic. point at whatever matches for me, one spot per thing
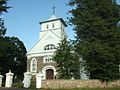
(13, 56)
(2, 28)
(3, 6)
(98, 36)
(67, 61)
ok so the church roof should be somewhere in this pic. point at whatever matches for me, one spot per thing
(54, 18)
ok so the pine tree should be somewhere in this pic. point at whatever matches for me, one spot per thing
(98, 36)
(3, 8)
(2, 28)
(67, 62)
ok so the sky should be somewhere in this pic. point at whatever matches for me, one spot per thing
(22, 20)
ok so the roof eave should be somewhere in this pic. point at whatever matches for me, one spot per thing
(55, 20)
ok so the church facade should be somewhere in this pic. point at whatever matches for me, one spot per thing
(40, 56)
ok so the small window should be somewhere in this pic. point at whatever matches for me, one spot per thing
(48, 59)
(53, 25)
(49, 47)
(47, 26)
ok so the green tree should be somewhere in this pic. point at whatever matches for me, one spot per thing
(67, 61)
(98, 36)
(18, 57)
(3, 44)
(13, 57)
(3, 8)
(2, 28)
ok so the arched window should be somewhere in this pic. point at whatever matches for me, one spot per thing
(49, 47)
(34, 65)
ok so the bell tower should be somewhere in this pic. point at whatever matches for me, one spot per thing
(54, 25)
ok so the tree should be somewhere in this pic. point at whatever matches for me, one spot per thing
(67, 61)
(2, 28)
(13, 56)
(3, 8)
(18, 57)
(98, 36)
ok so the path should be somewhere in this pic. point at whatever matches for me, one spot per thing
(12, 89)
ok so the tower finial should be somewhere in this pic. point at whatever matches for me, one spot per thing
(53, 10)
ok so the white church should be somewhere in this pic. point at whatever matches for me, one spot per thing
(40, 56)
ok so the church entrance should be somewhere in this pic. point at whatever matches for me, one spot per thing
(49, 74)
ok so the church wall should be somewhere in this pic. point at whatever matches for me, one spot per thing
(40, 64)
(28, 64)
(48, 25)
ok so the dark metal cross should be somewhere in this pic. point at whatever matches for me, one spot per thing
(54, 10)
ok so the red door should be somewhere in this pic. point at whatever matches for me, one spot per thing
(49, 74)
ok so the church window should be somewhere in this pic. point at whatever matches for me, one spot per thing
(48, 59)
(53, 25)
(61, 27)
(47, 26)
(34, 65)
(49, 47)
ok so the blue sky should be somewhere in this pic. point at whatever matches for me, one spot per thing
(22, 20)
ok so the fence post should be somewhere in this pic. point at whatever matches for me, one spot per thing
(1, 80)
(39, 80)
(27, 79)
(9, 79)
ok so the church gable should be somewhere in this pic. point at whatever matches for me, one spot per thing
(49, 38)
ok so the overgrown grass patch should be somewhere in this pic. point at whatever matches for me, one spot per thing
(19, 85)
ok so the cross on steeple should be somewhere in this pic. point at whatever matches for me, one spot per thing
(53, 10)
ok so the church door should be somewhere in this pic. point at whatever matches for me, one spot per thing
(49, 74)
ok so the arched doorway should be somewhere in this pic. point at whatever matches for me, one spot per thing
(49, 74)
(46, 70)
